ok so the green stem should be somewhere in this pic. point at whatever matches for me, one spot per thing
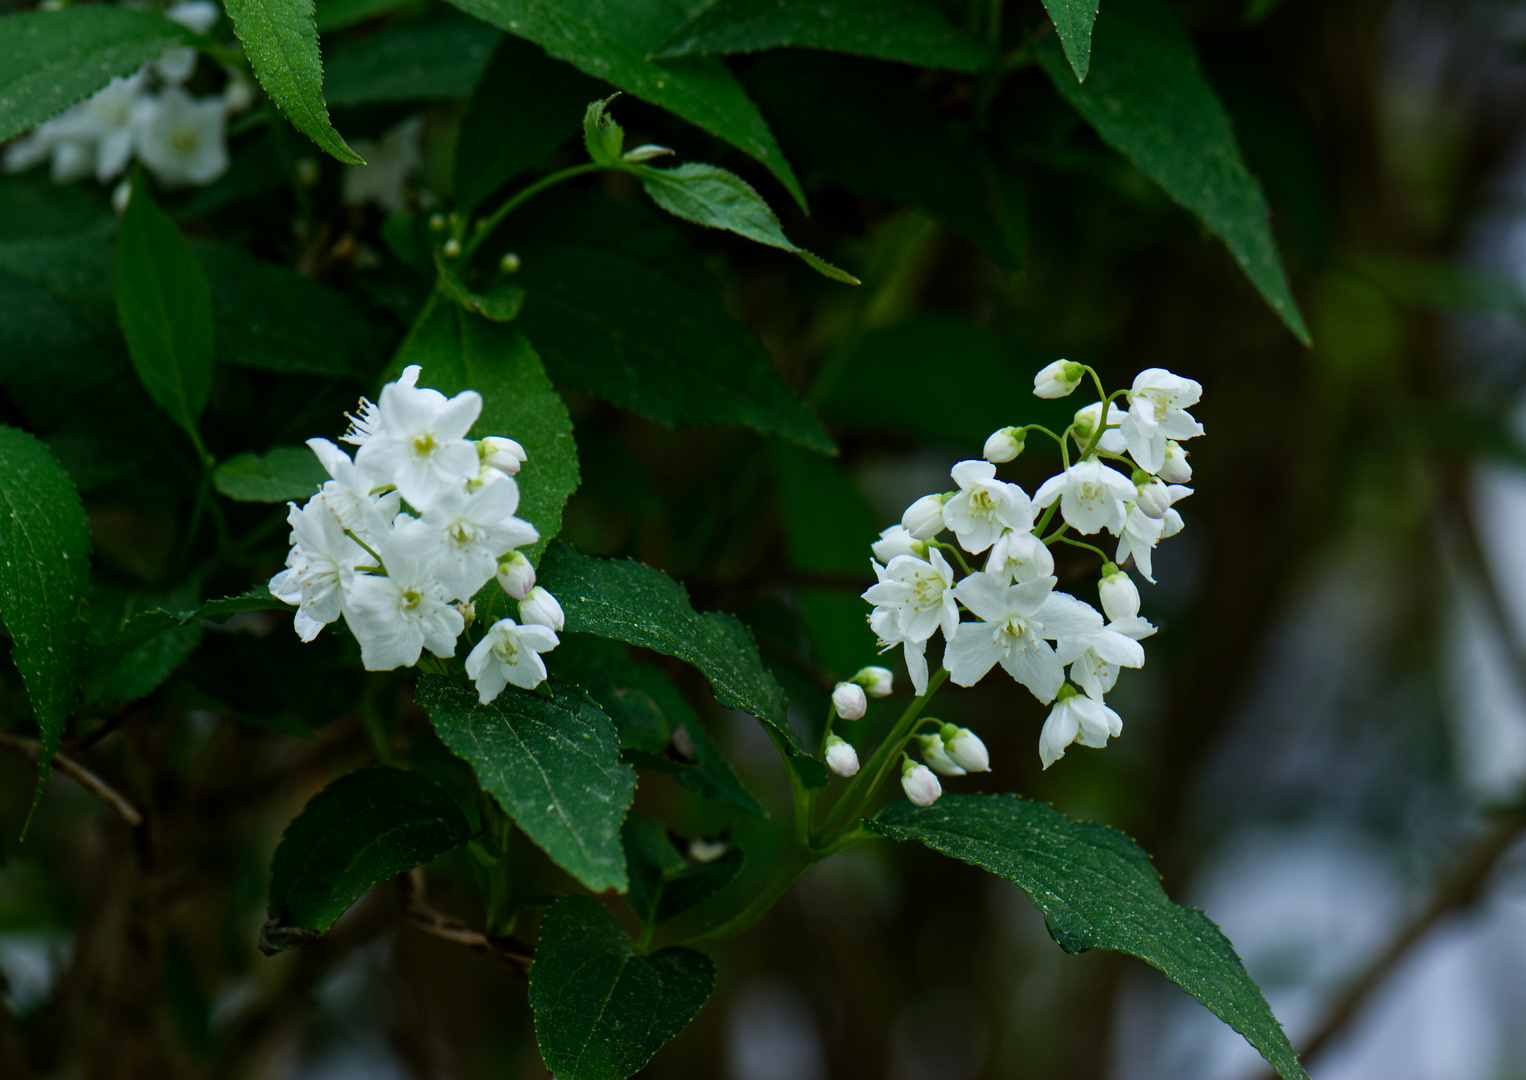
(954, 551)
(369, 550)
(1078, 543)
(765, 898)
(492, 221)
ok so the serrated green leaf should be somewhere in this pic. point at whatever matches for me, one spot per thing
(552, 764)
(115, 679)
(611, 40)
(145, 626)
(1097, 889)
(165, 309)
(910, 31)
(601, 1012)
(1148, 100)
(441, 55)
(602, 137)
(44, 576)
(665, 883)
(51, 59)
(362, 829)
(1073, 21)
(710, 196)
(620, 308)
(286, 472)
(281, 42)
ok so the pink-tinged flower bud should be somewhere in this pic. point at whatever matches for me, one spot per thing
(841, 757)
(965, 749)
(1004, 445)
(1153, 499)
(924, 518)
(937, 757)
(876, 681)
(897, 541)
(541, 607)
(919, 783)
(502, 454)
(516, 575)
(1058, 379)
(1176, 469)
(1120, 596)
(848, 700)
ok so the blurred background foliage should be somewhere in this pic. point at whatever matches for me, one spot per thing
(1327, 750)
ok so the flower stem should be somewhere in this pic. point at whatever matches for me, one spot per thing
(493, 220)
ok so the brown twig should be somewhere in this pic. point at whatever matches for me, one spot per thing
(506, 950)
(84, 777)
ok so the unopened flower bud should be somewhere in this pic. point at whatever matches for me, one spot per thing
(965, 749)
(875, 681)
(706, 849)
(502, 454)
(924, 518)
(1004, 445)
(1176, 469)
(120, 195)
(436, 222)
(516, 575)
(1153, 498)
(509, 264)
(897, 541)
(646, 152)
(452, 248)
(841, 757)
(848, 700)
(541, 607)
(1058, 379)
(919, 783)
(936, 756)
(1120, 596)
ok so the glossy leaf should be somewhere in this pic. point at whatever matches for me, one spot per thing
(1097, 889)
(612, 40)
(51, 59)
(601, 1012)
(441, 55)
(1149, 100)
(281, 42)
(114, 679)
(665, 882)
(1073, 21)
(553, 764)
(286, 472)
(147, 625)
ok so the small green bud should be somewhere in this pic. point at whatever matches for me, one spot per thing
(452, 248)
(509, 264)
(437, 222)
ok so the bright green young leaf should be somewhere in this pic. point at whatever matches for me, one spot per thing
(44, 576)
(441, 55)
(612, 39)
(601, 1011)
(553, 764)
(282, 45)
(621, 309)
(285, 472)
(710, 196)
(1073, 21)
(1148, 99)
(911, 31)
(363, 829)
(665, 883)
(1097, 889)
(602, 137)
(51, 59)
(165, 309)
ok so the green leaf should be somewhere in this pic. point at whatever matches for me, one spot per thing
(441, 55)
(526, 105)
(1073, 21)
(459, 351)
(620, 308)
(499, 302)
(1097, 889)
(1148, 99)
(144, 627)
(362, 829)
(711, 196)
(337, 14)
(282, 45)
(611, 40)
(552, 764)
(286, 472)
(664, 882)
(165, 309)
(51, 59)
(601, 1012)
(602, 137)
(44, 576)
(112, 678)
(911, 31)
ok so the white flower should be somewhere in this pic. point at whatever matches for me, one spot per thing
(509, 653)
(923, 519)
(417, 441)
(841, 757)
(95, 136)
(965, 749)
(1086, 426)
(516, 575)
(1076, 718)
(897, 541)
(238, 92)
(1176, 469)
(919, 783)
(1019, 556)
(543, 609)
(349, 493)
(882, 620)
(1152, 497)
(502, 454)
(396, 617)
(848, 700)
(984, 506)
(1093, 672)
(1141, 533)
(463, 535)
(936, 757)
(1120, 596)
(1004, 445)
(917, 593)
(390, 162)
(1058, 379)
(320, 567)
(364, 426)
(1092, 496)
(197, 16)
(1158, 404)
(876, 681)
(1015, 620)
(180, 138)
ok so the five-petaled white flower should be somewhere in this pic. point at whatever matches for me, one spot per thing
(464, 535)
(509, 653)
(1158, 404)
(418, 440)
(1095, 669)
(1092, 496)
(181, 138)
(397, 616)
(320, 567)
(1014, 622)
(1076, 718)
(984, 506)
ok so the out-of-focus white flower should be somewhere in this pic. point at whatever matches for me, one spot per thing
(1086, 426)
(848, 700)
(502, 454)
(923, 519)
(509, 653)
(93, 137)
(936, 756)
(516, 575)
(543, 609)
(391, 161)
(1158, 404)
(1004, 445)
(965, 749)
(420, 444)
(180, 138)
(1076, 718)
(841, 757)
(984, 506)
(897, 541)
(919, 783)
(238, 92)
(1015, 621)
(1058, 379)
(396, 617)
(876, 681)
(1120, 596)
(197, 16)
(1175, 469)
(1092, 496)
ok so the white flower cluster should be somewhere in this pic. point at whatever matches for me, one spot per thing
(401, 538)
(1017, 611)
(180, 138)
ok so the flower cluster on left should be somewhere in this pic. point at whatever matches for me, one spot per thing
(406, 532)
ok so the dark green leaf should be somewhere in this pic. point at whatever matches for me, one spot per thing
(1073, 21)
(911, 31)
(552, 764)
(114, 679)
(50, 60)
(144, 627)
(711, 196)
(600, 1011)
(286, 472)
(441, 55)
(621, 309)
(1148, 99)
(282, 45)
(498, 302)
(665, 883)
(337, 14)
(44, 575)
(611, 40)
(1097, 889)
(165, 309)
(364, 828)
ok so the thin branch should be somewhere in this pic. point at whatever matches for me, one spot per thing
(506, 950)
(84, 777)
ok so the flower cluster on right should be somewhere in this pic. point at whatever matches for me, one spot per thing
(1126, 476)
